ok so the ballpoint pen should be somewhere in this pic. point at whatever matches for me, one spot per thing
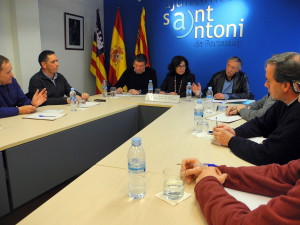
(46, 116)
(217, 121)
(232, 109)
(201, 164)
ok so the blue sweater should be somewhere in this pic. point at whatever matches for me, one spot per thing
(11, 96)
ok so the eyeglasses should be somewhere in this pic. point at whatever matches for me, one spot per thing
(181, 66)
(296, 86)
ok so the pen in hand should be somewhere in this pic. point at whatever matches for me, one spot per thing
(217, 121)
(201, 164)
(232, 109)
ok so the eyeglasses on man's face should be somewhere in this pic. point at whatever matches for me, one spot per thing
(296, 86)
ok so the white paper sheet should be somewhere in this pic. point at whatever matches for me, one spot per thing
(223, 118)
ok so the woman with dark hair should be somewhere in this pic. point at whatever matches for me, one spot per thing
(178, 77)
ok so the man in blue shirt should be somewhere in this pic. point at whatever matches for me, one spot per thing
(230, 83)
(12, 99)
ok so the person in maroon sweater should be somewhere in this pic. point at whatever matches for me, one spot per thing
(219, 208)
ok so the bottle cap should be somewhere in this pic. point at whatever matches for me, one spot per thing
(199, 101)
(150, 80)
(189, 83)
(136, 141)
(72, 89)
(209, 88)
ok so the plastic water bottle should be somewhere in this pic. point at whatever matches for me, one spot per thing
(73, 100)
(209, 101)
(198, 117)
(136, 169)
(189, 92)
(104, 88)
(150, 87)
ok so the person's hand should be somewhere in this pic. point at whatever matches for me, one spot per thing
(225, 127)
(172, 93)
(39, 97)
(233, 110)
(162, 92)
(119, 90)
(85, 96)
(223, 134)
(196, 87)
(191, 170)
(134, 92)
(26, 109)
(212, 171)
(219, 96)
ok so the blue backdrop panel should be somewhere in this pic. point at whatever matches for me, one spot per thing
(208, 32)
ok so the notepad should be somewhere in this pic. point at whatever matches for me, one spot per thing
(249, 199)
(223, 118)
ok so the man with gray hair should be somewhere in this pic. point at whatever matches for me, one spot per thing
(230, 83)
(279, 125)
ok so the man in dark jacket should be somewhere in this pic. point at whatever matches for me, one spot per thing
(279, 125)
(55, 83)
(230, 83)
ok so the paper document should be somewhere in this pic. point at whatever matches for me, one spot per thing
(44, 116)
(223, 118)
(128, 95)
(89, 104)
(249, 199)
(240, 101)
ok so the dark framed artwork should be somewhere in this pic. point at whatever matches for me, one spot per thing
(74, 32)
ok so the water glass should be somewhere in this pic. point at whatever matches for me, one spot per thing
(157, 90)
(82, 103)
(173, 183)
(113, 92)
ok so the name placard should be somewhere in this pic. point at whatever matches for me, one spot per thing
(162, 98)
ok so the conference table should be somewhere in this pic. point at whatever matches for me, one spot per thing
(99, 195)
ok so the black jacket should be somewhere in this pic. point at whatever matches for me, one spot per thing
(240, 90)
(168, 83)
(55, 93)
(137, 81)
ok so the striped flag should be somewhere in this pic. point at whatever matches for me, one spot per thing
(141, 46)
(97, 61)
(117, 52)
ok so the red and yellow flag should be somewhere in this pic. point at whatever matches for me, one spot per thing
(97, 66)
(141, 46)
(117, 52)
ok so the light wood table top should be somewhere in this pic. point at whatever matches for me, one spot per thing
(16, 130)
(168, 140)
(100, 196)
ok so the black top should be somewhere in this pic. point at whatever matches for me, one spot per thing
(240, 88)
(169, 84)
(55, 93)
(280, 125)
(137, 81)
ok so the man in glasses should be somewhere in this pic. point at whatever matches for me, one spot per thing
(279, 125)
(230, 83)
(137, 77)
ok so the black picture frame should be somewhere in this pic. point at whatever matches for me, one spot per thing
(74, 32)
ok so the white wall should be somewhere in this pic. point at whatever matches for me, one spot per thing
(74, 64)
(28, 27)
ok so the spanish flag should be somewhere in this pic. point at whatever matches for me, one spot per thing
(141, 46)
(117, 52)
(97, 66)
